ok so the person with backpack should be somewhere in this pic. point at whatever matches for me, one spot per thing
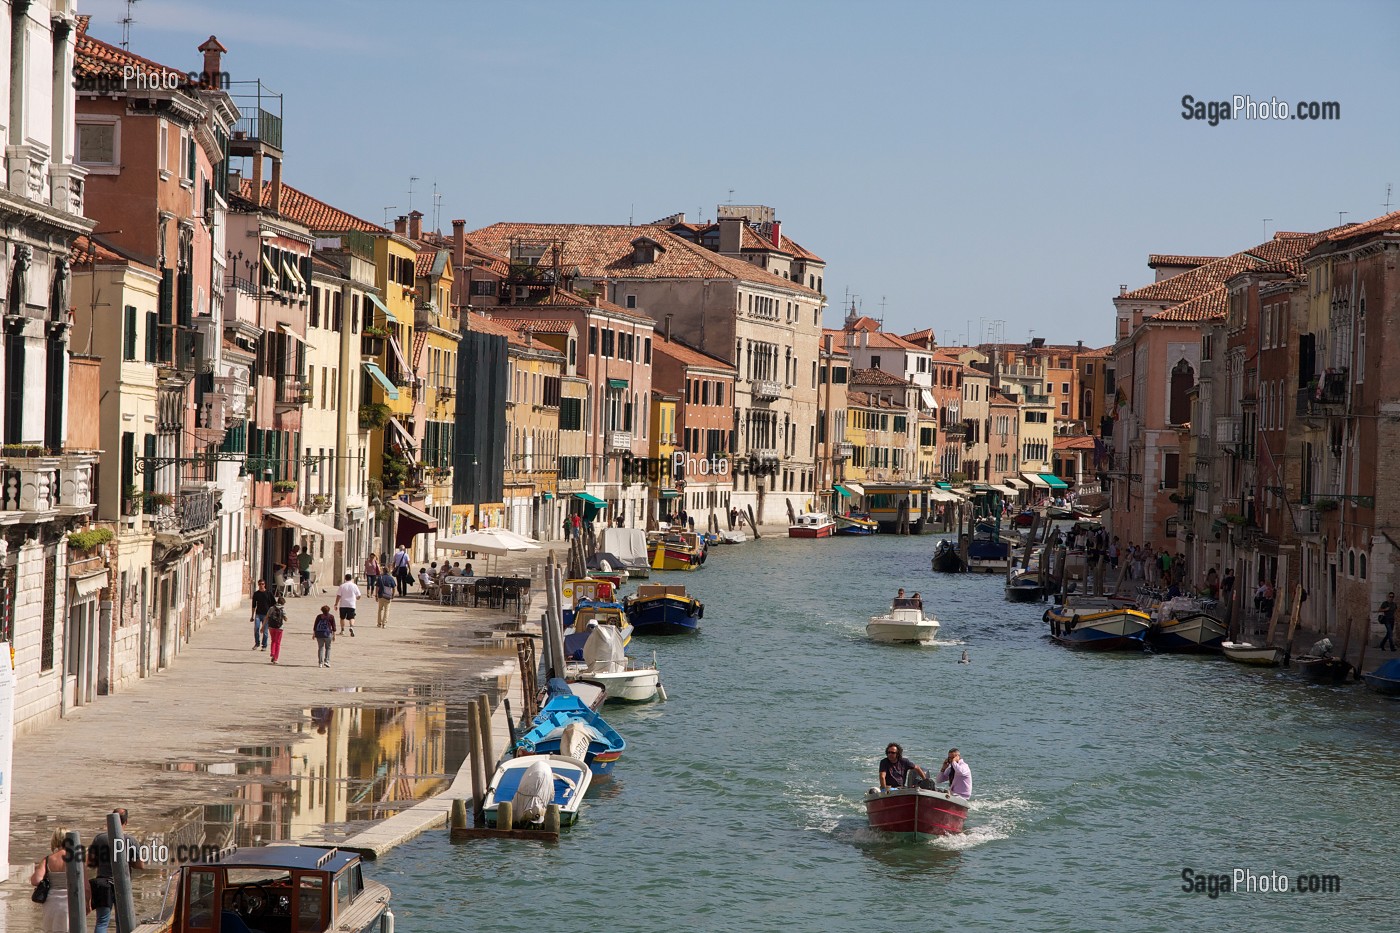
(276, 618)
(385, 587)
(324, 633)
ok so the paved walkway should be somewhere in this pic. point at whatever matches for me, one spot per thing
(179, 740)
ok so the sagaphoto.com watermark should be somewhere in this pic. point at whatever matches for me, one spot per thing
(1245, 107)
(1247, 881)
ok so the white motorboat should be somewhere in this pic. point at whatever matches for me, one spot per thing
(605, 662)
(1255, 655)
(904, 624)
(531, 783)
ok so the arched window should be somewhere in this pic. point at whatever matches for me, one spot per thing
(1351, 563)
(1362, 562)
(1183, 379)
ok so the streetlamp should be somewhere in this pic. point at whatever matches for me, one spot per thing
(476, 496)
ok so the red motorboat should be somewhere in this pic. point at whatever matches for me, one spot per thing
(915, 811)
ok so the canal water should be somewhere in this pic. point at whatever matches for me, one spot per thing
(1097, 779)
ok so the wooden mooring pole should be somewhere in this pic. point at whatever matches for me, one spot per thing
(125, 906)
(77, 886)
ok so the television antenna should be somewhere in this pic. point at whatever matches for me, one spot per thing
(1266, 227)
(1340, 215)
(387, 209)
(437, 208)
(411, 180)
(1386, 205)
(126, 22)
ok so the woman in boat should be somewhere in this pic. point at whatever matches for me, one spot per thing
(895, 768)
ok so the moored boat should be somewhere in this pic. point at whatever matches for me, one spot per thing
(260, 888)
(915, 812)
(599, 614)
(1023, 586)
(604, 662)
(1185, 624)
(1324, 669)
(659, 609)
(946, 558)
(904, 624)
(596, 742)
(1386, 678)
(1242, 652)
(812, 525)
(854, 524)
(1097, 624)
(987, 551)
(675, 550)
(564, 783)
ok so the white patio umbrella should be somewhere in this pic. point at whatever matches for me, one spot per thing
(492, 541)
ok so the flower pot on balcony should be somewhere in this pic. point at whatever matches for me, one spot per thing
(371, 346)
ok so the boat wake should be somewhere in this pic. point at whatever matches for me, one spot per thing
(949, 642)
(840, 817)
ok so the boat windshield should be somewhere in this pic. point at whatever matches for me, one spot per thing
(907, 604)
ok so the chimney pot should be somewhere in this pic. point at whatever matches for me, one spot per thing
(778, 234)
(401, 224)
(1122, 290)
(415, 225)
(213, 51)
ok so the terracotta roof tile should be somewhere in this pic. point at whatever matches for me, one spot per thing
(537, 325)
(93, 58)
(1175, 259)
(313, 213)
(689, 355)
(1074, 442)
(1204, 307)
(563, 298)
(605, 251)
(862, 323)
(424, 261)
(1386, 223)
(920, 336)
(875, 377)
(479, 323)
(1199, 281)
(86, 250)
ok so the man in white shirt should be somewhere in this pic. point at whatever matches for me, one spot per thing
(345, 598)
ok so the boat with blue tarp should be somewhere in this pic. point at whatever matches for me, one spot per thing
(1386, 678)
(530, 784)
(589, 614)
(550, 732)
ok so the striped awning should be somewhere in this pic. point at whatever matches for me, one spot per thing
(1015, 483)
(1035, 480)
(855, 488)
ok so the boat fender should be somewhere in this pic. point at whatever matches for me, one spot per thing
(1045, 616)
(690, 610)
(1073, 622)
(661, 690)
(386, 922)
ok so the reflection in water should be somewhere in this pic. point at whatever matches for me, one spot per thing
(341, 766)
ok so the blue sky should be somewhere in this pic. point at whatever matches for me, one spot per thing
(989, 170)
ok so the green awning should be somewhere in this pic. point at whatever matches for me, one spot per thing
(383, 309)
(390, 389)
(591, 500)
(547, 496)
(617, 383)
(944, 485)
(1054, 481)
(841, 491)
(981, 487)
(670, 493)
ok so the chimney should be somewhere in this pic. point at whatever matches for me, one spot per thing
(668, 327)
(864, 339)
(1081, 346)
(597, 299)
(1122, 290)
(213, 51)
(400, 224)
(415, 225)
(274, 202)
(731, 235)
(459, 242)
(778, 234)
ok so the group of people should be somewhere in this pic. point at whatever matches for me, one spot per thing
(916, 599)
(50, 878)
(895, 771)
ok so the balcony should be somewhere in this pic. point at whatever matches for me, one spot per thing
(38, 486)
(1227, 430)
(1305, 521)
(765, 453)
(259, 129)
(192, 513)
(957, 431)
(844, 451)
(766, 389)
(619, 440)
(1032, 399)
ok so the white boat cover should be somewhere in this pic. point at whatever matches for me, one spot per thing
(628, 544)
(576, 738)
(535, 792)
(603, 651)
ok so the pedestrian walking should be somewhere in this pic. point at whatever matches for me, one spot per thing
(50, 876)
(371, 568)
(276, 618)
(345, 599)
(304, 570)
(262, 602)
(323, 630)
(401, 570)
(384, 589)
(1387, 620)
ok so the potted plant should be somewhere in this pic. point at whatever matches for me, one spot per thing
(374, 415)
(284, 485)
(1325, 505)
(372, 340)
(156, 500)
(89, 539)
(319, 501)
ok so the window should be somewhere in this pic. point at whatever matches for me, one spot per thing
(631, 301)
(129, 334)
(1036, 417)
(97, 144)
(838, 375)
(592, 339)
(1171, 465)
(646, 351)
(163, 146)
(719, 393)
(875, 362)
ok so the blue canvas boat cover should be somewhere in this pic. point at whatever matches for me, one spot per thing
(1389, 670)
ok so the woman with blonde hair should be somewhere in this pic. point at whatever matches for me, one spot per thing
(54, 867)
